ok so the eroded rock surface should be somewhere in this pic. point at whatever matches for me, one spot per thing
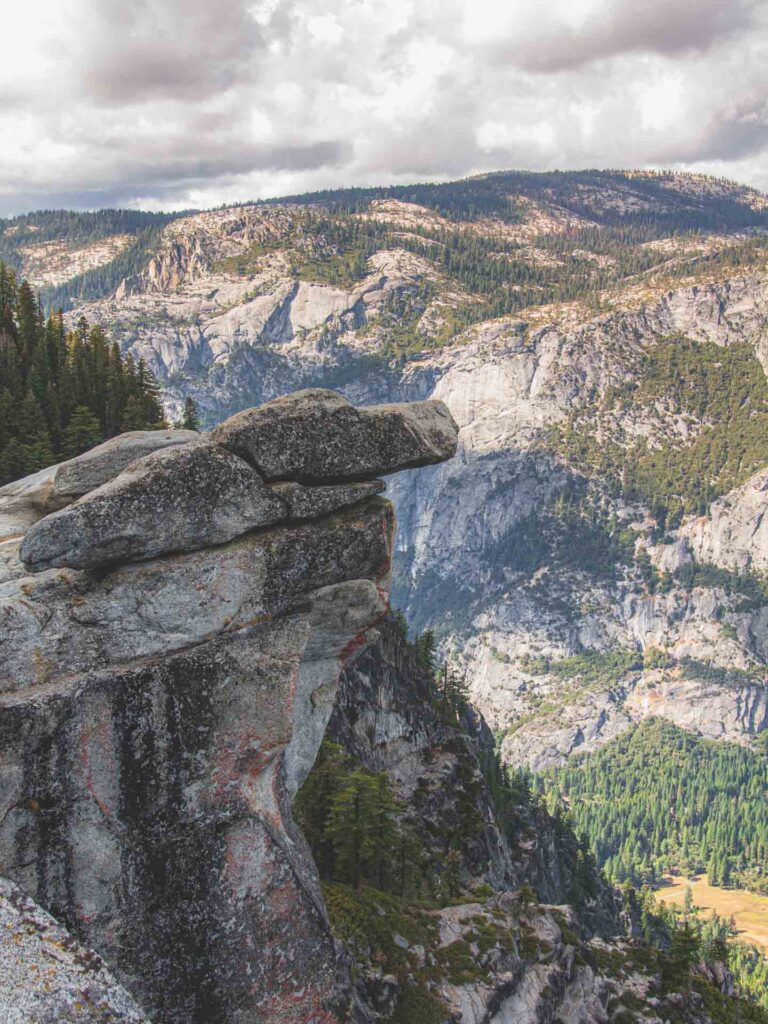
(159, 709)
(208, 492)
(47, 977)
(25, 501)
(317, 436)
(93, 468)
(181, 499)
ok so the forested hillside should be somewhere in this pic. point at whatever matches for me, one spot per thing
(509, 241)
(659, 801)
(723, 389)
(61, 392)
(76, 247)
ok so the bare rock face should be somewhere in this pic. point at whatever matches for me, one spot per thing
(735, 533)
(93, 468)
(25, 501)
(159, 708)
(180, 499)
(47, 977)
(317, 436)
(311, 502)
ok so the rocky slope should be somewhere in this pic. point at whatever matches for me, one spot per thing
(168, 670)
(387, 716)
(530, 941)
(395, 295)
(46, 976)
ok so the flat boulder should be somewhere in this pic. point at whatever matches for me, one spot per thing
(86, 472)
(182, 498)
(25, 501)
(317, 437)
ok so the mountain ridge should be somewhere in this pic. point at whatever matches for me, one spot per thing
(544, 323)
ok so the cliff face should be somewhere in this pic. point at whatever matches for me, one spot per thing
(511, 551)
(387, 716)
(157, 716)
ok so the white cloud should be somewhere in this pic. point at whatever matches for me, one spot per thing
(174, 103)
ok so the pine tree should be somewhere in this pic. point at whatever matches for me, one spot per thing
(12, 461)
(115, 392)
(688, 903)
(28, 327)
(454, 693)
(148, 390)
(133, 415)
(452, 874)
(32, 433)
(190, 420)
(353, 828)
(8, 423)
(424, 649)
(682, 954)
(82, 433)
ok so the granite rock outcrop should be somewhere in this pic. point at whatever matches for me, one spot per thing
(160, 703)
(46, 976)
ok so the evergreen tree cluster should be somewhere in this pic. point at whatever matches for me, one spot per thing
(687, 939)
(61, 392)
(659, 800)
(356, 827)
(721, 393)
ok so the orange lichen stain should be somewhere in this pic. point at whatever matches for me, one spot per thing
(256, 621)
(42, 667)
(354, 644)
(289, 1007)
(100, 736)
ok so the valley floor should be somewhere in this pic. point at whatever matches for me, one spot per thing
(749, 910)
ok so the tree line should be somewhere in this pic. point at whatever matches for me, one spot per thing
(659, 800)
(62, 391)
(687, 940)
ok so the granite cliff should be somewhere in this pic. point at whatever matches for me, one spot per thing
(171, 647)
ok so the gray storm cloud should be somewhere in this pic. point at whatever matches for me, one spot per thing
(179, 103)
(147, 51)
(660, 27)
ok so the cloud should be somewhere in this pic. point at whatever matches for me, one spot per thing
(179, 103)
(569, 35)
(146, 50)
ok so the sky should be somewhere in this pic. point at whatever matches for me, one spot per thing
(173, 104)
